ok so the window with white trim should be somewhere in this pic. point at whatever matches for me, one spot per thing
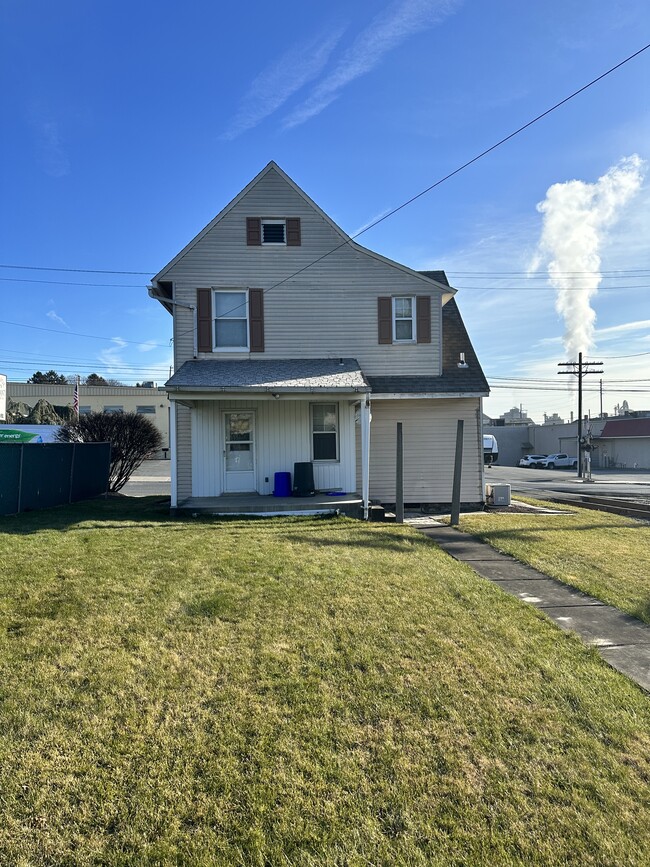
(274, 232)
(403, 319)
(113, 408)
(230, 311)
(324, 432)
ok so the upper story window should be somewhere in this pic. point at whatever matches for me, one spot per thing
(230, 320)
(146, 410)
(273, 232)
(113, 408)
(324, 431)
(403, 330)
(85, 410)
(230, 310)
(404, 319)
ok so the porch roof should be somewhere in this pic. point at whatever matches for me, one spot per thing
(281, 375)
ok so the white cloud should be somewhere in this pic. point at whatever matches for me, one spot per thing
(274, 85)
(386, 31)
(112, 358)
(577, 216)
(51, 314)
(148, 346)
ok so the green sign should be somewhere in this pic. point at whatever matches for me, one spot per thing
(19, 436)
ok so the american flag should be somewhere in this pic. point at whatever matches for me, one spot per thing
(75, 399)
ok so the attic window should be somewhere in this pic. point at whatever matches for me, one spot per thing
(274, 232)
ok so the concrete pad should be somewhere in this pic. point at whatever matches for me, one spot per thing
(601, 625)
(545, 593)
(632, 661)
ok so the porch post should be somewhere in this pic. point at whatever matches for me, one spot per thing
(172, 449)
(365, 454)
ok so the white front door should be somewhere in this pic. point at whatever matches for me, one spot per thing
(239, 452)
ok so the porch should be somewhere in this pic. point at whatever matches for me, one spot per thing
(267, 506)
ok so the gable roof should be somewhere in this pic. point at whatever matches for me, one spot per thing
(627, 427)
(345, 238)
(454, 380)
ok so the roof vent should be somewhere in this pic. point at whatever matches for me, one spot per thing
(462, 363)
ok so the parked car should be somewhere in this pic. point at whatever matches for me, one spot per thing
(532, 460)
(559, 460)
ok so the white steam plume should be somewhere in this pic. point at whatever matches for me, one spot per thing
(576, 217)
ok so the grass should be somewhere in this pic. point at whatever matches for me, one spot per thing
(296, 692)
(604, 555)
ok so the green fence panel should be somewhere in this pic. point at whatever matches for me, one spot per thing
(90, 469)
(46, 475)
(9, 478)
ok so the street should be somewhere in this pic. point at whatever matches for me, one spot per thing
(538, 483)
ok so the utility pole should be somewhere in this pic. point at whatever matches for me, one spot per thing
(580, 368)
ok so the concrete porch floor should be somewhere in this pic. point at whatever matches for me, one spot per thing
(256, 504)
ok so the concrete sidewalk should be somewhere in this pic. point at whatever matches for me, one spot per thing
(621, 640)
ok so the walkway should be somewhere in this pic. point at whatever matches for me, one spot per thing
(621, 640)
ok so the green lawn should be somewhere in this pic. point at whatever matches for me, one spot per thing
(605, 555)
(296, 692)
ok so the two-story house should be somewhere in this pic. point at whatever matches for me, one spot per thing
(293, 343)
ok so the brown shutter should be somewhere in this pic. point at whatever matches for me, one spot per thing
(423, 308)
(256, 319)
(204, 319)
(385, 319)
(253, 231)
(293, 232)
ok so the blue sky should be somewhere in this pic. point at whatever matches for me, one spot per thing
(128, 126)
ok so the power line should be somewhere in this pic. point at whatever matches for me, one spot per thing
(448, 176)
(72, 283)
(77, 334)
(76, 270)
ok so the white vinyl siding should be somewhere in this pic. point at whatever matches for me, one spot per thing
(283, 437)
(429, 437)
(328, 310)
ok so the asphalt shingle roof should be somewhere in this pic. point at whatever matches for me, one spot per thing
(277, 374)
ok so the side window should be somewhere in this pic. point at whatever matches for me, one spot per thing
(146, 410)
(403, 323)
(113, 408)
(324, 431)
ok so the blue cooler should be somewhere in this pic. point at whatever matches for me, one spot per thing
(282, 485)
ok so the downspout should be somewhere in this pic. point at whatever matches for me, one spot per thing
(365, 454)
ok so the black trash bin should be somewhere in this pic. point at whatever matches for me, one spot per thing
(303, 479)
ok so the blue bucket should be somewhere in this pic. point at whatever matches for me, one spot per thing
(282, 486)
